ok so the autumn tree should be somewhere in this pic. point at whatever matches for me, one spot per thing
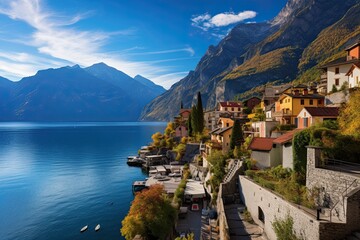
(151, 215)
(349, 116)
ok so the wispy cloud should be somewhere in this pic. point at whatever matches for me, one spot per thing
(57, 40)
(206, 21)
(189, 50)
(168, 80)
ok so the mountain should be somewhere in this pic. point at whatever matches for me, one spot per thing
(96, 93)
(258, 53)
(155, 88)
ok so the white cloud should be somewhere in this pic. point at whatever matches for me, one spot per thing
(189, 50)
(206, 21)
(56, 40)
(167, 80)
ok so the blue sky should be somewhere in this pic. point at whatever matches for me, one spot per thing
(159, 39)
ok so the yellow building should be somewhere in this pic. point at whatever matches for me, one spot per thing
(290, 103)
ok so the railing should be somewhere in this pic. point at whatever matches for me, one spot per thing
(282, 113)
(323, 76)
(344, 193)
(343, 166)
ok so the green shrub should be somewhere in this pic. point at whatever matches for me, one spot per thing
(284, 228)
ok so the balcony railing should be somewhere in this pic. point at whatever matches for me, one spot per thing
(283, 113)
(323, 76)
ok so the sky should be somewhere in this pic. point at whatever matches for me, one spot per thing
(159, 39)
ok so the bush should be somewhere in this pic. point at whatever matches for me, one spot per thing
(284, 228)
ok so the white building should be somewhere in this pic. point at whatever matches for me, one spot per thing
(337, 70)
(354, 75)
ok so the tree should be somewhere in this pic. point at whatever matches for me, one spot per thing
(197, 116)
(190, 129)
(157, 137)
(236, 135)
(194, 120)
(349, 116)
(200, 114)
(151, 215)
(181, 105)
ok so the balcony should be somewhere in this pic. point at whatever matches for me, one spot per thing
(323, 76)
(283, 113)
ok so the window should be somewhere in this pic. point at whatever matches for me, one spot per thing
(281, 101)
(302, 102)
(296, 122)
(311, 102)
(227, 124)
(232, 109)
(226, 109)
(274, 145)
(337, 70)
(319, 102)
(337, 82)
(305, 122)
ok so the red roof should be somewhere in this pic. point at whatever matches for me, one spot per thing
(287, 137)
(230, 104)
(323, 111)
(261, 144)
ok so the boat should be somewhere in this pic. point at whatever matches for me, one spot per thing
(131, 157)
(97, 228)
(84, 228)
(137, 162)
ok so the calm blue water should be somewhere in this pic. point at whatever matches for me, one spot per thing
(56, 178)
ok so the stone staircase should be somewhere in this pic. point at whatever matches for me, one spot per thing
(235, 165)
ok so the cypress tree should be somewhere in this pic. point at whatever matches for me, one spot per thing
(194, 121)
(236, 135)
(190, 129)
(200, 114)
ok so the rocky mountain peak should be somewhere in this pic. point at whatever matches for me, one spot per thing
(288, 11)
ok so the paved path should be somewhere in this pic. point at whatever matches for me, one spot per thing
(240, 229)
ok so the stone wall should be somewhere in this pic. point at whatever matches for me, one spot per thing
(334, 186)
(336, 99)
(223, 225)
(257, 199)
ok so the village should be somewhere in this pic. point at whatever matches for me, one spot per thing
(272, 166)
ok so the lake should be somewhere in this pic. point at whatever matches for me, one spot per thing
(56, 178)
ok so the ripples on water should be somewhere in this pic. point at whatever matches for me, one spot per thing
(57, 177)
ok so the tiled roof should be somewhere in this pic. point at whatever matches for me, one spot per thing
(323, 111)
(313, 96)
(230, 104)
(339, 61)
(287, 137)
(269, 107)
(353, 45)
(261, 144)
(225, 129)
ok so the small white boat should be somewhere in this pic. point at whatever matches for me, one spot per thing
(84, 228)
(97, 228)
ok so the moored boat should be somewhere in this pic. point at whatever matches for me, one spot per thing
(137, 162)
(97, 228)
(84, 228)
